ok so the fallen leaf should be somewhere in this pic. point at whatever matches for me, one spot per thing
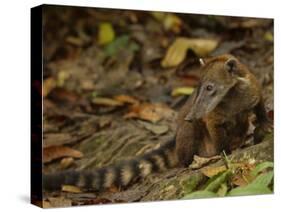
(71, 189)
(48, 85)
(120, 43)
(176, 53)
(241, 179)
(149, 112)
(76, 41)
(126, 99)
(156, 129)
(63, 75)
(190, 80)
(87, 85)
(243, 173)
(63, 95)
(212, 171)
(106, 101)
(66, 162)
(182, 91)
(56, 152)
(170, 22)
(56, 139)
(257, 186)
(106, 33)
(199, 162)
(104, 121)
(268, 36)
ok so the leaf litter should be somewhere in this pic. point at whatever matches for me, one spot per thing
(137, 81)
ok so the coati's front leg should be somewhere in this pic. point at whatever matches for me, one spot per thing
(186, 143)
(264, 125)
(216, 138)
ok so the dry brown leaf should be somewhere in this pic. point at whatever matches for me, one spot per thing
(104, 121)
(76, 41)
(56, 152)
(243, 174)
(62, 77)
(48, 85)
(199, 162)
(56, 139)
(126, 99)
(106, 101)
(63, 95)
(148, 112)
(190, 80)
(240, 180)
(71, 189)
(66, 162)
(176, 53)
(212, 171)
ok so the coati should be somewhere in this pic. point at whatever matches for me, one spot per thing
(214, 117)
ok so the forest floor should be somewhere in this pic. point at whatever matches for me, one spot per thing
(113, 83)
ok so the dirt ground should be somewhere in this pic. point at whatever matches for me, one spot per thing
(114, 81)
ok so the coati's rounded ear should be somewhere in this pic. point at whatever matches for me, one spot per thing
(231, 65)
(202, 62)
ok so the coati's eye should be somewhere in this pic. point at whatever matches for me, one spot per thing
(209, 88)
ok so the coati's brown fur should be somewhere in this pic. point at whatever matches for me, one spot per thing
(213, 118)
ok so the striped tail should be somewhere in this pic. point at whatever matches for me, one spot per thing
(120, 175)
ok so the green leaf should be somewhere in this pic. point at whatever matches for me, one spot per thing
(117, 44)
(249, 190)
(258, 186)
(262, 166)
(120, 43)
(215, 182)
(222, 190)
(263, 179)
(191, 182)
(133, 47)
(200, 194)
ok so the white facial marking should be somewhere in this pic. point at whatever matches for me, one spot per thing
(202, 62)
